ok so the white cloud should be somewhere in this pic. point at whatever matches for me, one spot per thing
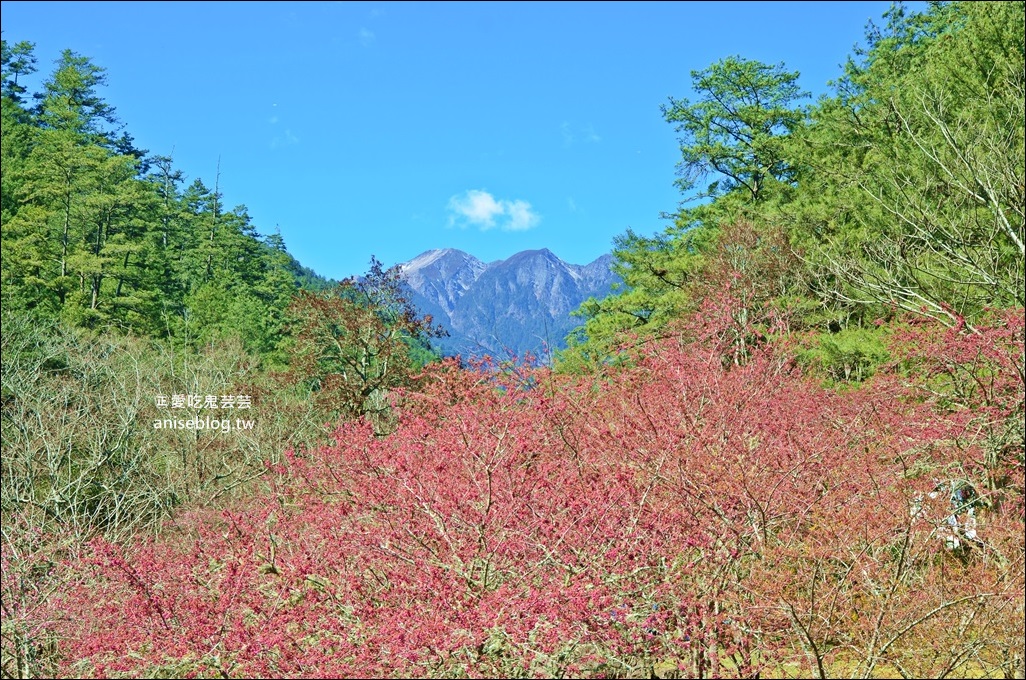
(480, 209)
(366, 36)
(521, 217)
(475, 207)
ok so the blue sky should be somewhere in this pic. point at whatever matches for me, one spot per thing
(388, 129)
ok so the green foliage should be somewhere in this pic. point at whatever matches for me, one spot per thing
(69, 101)
(16, 61)
(655, 273)
(912, 181)
(357, 343)
(81, 452)
(851, 355)
(902, 192)
(98, 237)
(736, 130)
(121, 284)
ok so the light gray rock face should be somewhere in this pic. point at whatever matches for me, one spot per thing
(504, 308)
(443, 276)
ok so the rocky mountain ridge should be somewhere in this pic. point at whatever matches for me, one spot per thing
(508, 307)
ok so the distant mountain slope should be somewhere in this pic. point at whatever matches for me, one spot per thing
(512, 306)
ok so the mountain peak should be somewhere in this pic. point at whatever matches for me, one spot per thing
(541, 252)
(429, 257)
(517, 305)
(440, 277)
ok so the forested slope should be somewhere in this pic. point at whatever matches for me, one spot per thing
(900, 192)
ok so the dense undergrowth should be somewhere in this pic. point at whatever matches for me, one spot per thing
(681, 515)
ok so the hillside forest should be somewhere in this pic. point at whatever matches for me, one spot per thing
(791, 444)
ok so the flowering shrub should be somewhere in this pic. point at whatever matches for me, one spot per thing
(977, 375)
(671, 517)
